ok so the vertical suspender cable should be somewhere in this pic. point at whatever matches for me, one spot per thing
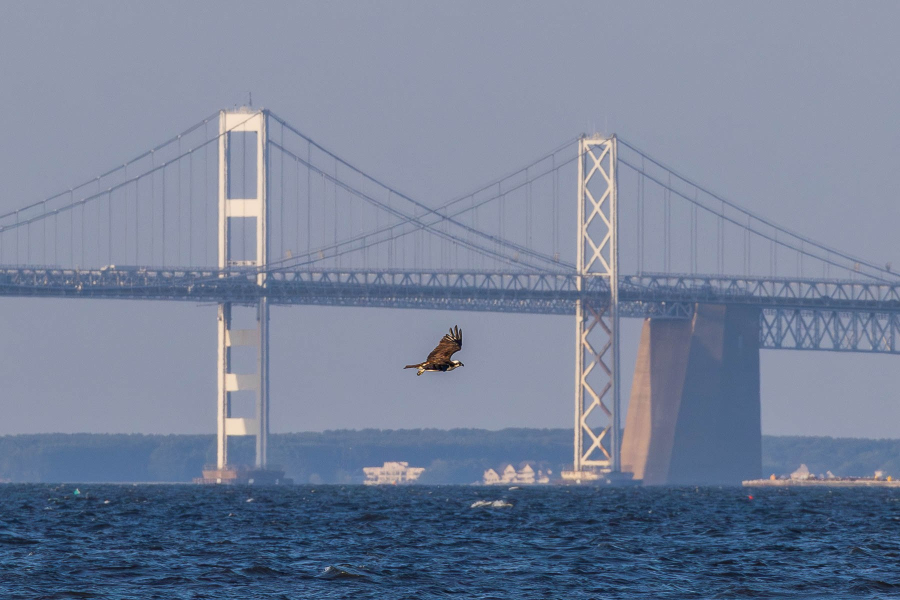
(83, 241)
(72, 226)
(206, 202)
(667, 216)
(152, 207)
(469, 257)
(137, 227)
(178, 200)
(555, 218)
(455, 252)
(747, 248)
(378, 246)
(527, 209)
(125, 219)
(191, 208)
(164, 216)
(720, 239)
(97, 233)
(281, 196)
(638, 239)
(308, 199)
(773, 254)
(391, 238)
(109, 226)
(349, 219)
(695, 233)
(297, 207)
(334, 205)
(500, 213)
(325, 204)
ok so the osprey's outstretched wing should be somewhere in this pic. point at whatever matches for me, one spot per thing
(450, 343)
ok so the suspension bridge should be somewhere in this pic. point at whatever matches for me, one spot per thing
(244, 210)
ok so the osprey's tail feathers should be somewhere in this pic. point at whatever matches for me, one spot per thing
(413, 366)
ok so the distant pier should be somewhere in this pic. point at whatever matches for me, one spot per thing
(838, 482)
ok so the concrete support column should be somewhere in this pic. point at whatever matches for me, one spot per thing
(694, 414)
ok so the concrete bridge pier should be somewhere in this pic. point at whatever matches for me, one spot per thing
(694, 413)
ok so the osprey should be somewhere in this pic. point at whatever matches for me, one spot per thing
(439, 359)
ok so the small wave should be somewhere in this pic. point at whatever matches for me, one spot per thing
(491, 504)
(367, 516)
(14, 539)
(71, 594)
(174, 580)
(261, 570)
(343, 572)
(874, 586)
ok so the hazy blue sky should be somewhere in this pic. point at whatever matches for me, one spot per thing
(787, 108)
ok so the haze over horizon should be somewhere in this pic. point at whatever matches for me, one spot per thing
(786, 109)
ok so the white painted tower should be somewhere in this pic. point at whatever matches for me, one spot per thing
(597, 421)
(236, 203)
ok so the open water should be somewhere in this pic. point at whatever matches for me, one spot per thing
(181, 541)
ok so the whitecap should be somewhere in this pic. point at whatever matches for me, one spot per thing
(491, 504)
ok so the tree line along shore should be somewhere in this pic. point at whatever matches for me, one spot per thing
(455, 456)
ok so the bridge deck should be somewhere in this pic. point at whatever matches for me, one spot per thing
(842, 316)
(527, 292)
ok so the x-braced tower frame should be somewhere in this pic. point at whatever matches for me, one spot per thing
(243, 205)
(596, 322)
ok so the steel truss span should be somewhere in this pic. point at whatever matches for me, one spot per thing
(523, 292)
(764, 292)
(837, 331)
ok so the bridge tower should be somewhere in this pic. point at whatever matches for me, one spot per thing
(597, 377)
(242, 213)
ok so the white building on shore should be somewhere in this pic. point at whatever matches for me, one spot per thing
(392, 473)
(525, 475)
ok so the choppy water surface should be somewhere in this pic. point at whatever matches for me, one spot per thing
(156, 541)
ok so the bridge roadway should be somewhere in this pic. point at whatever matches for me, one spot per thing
(523, 292)
(807, 314)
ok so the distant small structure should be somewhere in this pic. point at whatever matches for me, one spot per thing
(802, 473)
(392, 473)
(243, 476)
(525, 475)
(802, 477)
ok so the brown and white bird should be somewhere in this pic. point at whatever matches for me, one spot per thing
(439, 359)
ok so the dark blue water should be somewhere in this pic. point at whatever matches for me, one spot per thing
(160, 541)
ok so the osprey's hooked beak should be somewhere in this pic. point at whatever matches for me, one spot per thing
(462, 365)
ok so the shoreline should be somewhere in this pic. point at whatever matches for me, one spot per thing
(820, 483)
